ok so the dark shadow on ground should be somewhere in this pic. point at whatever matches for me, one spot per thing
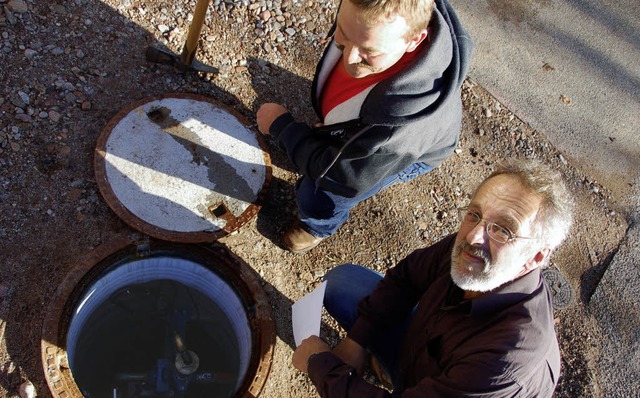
(294, 93)
(91, 91)
(591, 278)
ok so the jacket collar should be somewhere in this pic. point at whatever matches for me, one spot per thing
(507, 294)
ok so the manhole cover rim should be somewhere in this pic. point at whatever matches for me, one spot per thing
(139, 224)
(241, 277)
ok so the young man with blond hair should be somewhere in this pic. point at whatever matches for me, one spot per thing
(387, 92)
(469, 316)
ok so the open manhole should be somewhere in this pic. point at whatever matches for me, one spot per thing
(158, 319)
(167, 316)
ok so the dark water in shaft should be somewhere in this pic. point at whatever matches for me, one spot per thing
(128, 346)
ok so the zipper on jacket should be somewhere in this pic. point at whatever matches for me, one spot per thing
(335, 159)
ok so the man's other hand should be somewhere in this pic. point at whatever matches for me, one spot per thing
(266, 114)
(309, 346)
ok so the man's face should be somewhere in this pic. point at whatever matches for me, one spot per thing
(369, 47)
(480, 264)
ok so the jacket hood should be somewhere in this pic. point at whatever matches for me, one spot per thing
(424, 86)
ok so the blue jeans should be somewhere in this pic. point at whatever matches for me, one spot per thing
(322, 212)
(347, 284)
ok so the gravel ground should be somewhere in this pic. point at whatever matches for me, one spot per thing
(66, 67)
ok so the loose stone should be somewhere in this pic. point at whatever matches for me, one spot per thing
(24, 97)
(17, 6)
(27, 390)
(54, 116)
(23, 117)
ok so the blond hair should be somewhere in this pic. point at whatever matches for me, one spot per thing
(417, 13)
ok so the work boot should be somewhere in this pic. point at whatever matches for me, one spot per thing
(298, 241)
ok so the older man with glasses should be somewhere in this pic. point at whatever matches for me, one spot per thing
(469, 316)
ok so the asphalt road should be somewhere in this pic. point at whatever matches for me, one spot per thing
(571, 70)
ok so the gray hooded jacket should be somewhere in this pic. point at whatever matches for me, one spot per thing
(413, 116)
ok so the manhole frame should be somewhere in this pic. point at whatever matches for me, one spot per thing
(217, 258)
(137, 223)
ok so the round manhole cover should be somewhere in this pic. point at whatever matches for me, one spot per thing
(181, 167)
(561, 291)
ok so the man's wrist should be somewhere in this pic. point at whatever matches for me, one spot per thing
(311, 357)
(279, 124)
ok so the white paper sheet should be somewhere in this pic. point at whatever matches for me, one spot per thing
(306, 314)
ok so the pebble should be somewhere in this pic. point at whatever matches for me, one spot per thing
(10, 17)
(17, 6)
(562, 159)
(64, 151)
(76, 183)
(58, 9)
(54, 116)
(23, 117)
(24, 97)
(27, 390)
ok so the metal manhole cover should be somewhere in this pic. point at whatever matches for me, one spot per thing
(181, 167)
(561, 291)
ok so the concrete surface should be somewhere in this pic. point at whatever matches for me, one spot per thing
(571, 70)
(616, 306)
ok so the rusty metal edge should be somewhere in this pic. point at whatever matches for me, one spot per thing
(244, 278)
(135, 222)
(52, 343)
(263, 321)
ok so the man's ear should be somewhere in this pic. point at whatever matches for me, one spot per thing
(537, 260)
(416, 40)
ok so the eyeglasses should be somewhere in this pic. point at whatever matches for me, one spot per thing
(496, 232)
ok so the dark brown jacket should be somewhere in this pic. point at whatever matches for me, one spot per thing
(502, 344)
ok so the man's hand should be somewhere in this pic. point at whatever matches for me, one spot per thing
(352, 353)
(266, 114)
(309, 346)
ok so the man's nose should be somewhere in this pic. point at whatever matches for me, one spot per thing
(352, 55)
(477, 235)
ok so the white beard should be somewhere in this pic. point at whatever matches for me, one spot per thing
(481, 278)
